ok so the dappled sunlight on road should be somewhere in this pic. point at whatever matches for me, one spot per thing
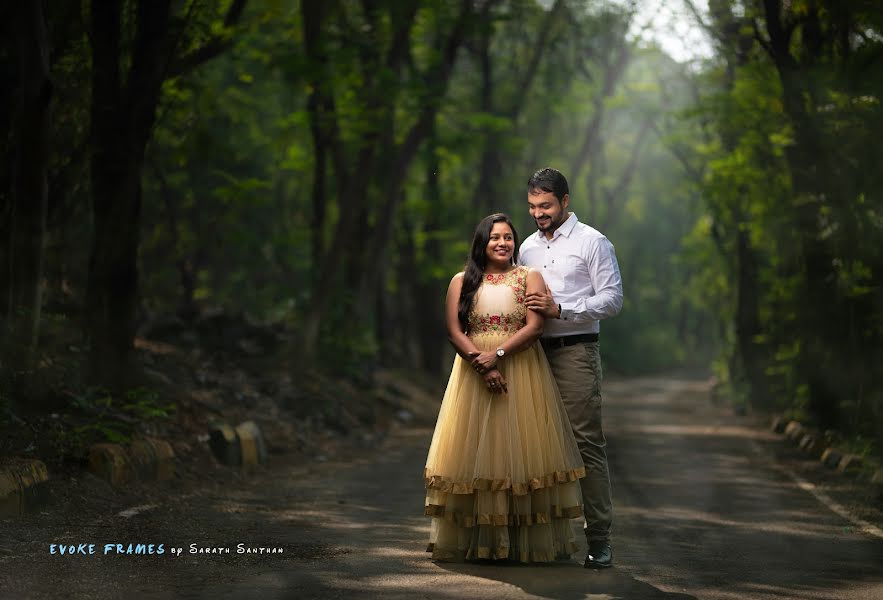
(700, 512)
(700, 506)
(699, 430)
(682, 520)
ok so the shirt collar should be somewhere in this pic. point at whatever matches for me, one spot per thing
(566, 227)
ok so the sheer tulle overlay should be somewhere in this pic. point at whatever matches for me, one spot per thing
(503, 469)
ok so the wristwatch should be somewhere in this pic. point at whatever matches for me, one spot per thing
(500, 353)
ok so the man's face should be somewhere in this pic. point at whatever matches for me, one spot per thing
(547, 210)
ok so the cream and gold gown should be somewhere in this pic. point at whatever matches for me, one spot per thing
(503, 469)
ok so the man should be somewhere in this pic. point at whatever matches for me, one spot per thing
(583, 286)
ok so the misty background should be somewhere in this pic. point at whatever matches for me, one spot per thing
(185, 170)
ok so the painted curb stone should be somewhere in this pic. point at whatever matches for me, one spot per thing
(794, 430)
(850, 463)
(831, 457)
(812, 444)
(153, 459)
(778, 424)
(224, 444)
(251, 442)
(112, 463)
(20, 486)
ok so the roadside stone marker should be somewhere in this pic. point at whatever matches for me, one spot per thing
(111, 463)
(831, 457)
(794, 430)
(850, 463)
(224, 444)
(251, 441)
(812, 444)
(242, 446)
(20, 486)
(153, 459)
(778, 424)
(147, 459)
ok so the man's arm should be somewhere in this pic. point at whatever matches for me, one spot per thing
(607, 282)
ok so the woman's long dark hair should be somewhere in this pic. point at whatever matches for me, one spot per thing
(477, 262)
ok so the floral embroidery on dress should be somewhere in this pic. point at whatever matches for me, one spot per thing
(503, 323)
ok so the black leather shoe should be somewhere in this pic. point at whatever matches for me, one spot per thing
(600, 556)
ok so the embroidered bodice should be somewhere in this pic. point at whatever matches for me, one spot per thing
(499, 307)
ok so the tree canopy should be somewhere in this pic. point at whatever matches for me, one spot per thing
(320, 165)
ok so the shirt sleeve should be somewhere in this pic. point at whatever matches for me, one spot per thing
(524, 246)
(607, 283)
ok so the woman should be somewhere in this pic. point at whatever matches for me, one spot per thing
(503, 467)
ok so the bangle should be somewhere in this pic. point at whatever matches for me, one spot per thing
(559, 311)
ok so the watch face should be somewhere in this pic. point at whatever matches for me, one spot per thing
(500, 352)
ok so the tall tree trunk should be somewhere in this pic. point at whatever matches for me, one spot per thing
(187, 265)
(747, 360)
(320, 107)
(318, 199)
(123, 114)
(353, 242)
(615, 196)
(489, 165)
(122, 119)
(402, 323)
(487, 195)
(429, 290)
(753, 358)
(808, 167)
(27, 218)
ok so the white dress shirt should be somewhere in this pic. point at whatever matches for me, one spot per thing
(579, 266)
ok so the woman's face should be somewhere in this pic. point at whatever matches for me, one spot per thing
(501, 245)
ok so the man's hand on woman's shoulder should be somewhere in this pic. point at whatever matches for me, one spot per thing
(543, 303)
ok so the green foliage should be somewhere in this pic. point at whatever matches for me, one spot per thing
(745, 207)
(228, 202)
(786, 181)
(114, 419)
(102, 431)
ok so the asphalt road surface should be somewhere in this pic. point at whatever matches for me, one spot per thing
(703, 510)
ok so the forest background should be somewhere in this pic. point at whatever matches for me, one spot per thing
(316, 168)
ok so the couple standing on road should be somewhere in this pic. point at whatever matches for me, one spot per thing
(518, 448)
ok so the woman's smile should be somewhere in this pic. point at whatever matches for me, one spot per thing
(501, 245)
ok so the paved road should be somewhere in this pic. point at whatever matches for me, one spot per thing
(703, 511)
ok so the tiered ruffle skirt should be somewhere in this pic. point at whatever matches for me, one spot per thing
(502, 475)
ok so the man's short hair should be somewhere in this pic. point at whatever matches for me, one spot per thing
(548, 180)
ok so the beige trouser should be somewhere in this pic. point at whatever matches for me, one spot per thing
(577, 370)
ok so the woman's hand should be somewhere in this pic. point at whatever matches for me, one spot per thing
(495, 382)
(484, 362)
